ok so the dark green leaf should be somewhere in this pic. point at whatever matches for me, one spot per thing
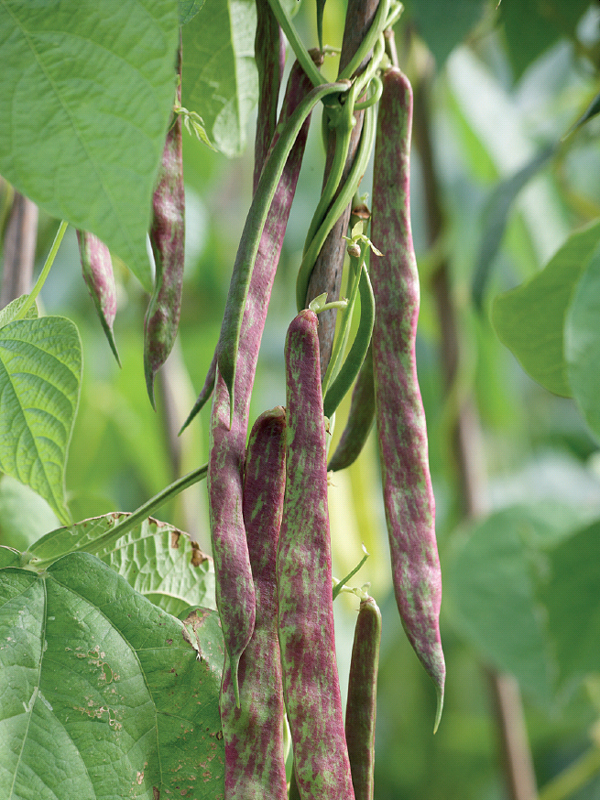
(443, 24)
(219, 80)
(95, 677)
(532, 27)
(86, 90)
(530, 319)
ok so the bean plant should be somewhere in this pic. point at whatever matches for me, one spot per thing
(134, 664)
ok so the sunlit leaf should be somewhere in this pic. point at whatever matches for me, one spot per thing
(102, 692)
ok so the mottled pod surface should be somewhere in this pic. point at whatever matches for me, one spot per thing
(408, 496)
(304, 581)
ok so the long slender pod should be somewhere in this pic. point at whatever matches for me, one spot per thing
(167, 237)
(408, 496)
(248, 250)
(360, 418)
(306, 634)
(361, 706)
(269, 49)
(98, 274)
(253, 732)
(229, 423)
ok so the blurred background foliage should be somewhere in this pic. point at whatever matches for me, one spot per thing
(496, 87)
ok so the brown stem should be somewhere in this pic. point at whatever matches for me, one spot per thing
(19, 249)
(467, 451)
(327, 273)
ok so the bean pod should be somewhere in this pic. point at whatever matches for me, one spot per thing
(408, 496)
(234, 585)
(361, 707)
(98, 274)
(306, 634)
(253, 732)
(167, 238)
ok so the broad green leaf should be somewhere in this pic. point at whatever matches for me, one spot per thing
(532, 27)
(158, 560)
(219, 80)
(96, 678)
(24, 515)
(530, 319)
(582, 343)
(490, 593)
(573, 603)
(86, 91)
(188, 10)
(9, 557)
(9, 312)
(443, 24)
(40, 374)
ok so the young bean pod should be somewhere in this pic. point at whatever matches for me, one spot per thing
(253, 732)
(167, 237)
(361, 706)
(360, 418)
(306, 634)
(408, 496)
(98, 274)
(229, 418)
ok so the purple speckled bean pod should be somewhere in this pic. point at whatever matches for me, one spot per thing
(306, 633)
(98, 274)
(361, 707)
(234, 587)
(408, 496)
(167, 237)
(360, 418)
(253, 732)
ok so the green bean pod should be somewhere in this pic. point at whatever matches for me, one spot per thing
(306, 632)
(360, 418)
(98, 274)
(361, 707)
(408, 496)
(167, 238)
(253, 731)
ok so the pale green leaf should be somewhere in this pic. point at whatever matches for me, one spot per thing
(530, 319)
(158, 560)
(582, 343)
(219, 80)
(86, 91)
(40, 374)
(24, 515)
(9, 312)
(188, 10)
(490, 595)
(95, 678)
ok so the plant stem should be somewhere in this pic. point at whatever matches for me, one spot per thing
(45, 270)
(19, 248)
(466, 448)
(296, 44)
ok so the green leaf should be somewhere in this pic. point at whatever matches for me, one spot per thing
(532, 27)
(490, 592)
(158, 560)
(9, 312)
(573, 603)
(219, 80)
(86, 91)
(24, 515)
(530, 319)
(95, 677)
(443, 24)
(40, 374)
(582, 343)
(188, 10)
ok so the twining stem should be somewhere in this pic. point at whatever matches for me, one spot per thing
(296, 44)
(44, 273)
